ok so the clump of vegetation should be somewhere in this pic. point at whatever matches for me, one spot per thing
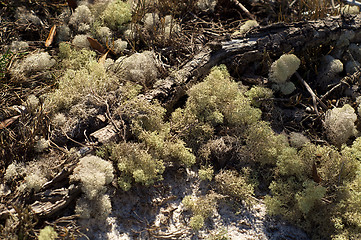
(356, 148)
(119, 46)
(48, 233)
(13, 171)
(206, 173)
(17, 46)
(245, 27)
(309, 196)
(143, 161)
(81, 41)
(218, 100)
(104, 34)
(282, 69)
(35, 180)
(285, 88)
(149, 126)
(219, 151)
(340, 124)
(116, 14)
(347, 221)
(34, 62)
(297, 140)
(94, 174)
(99, 208)
(136, 165)
(280, 72)
(41, 145)
(215, 101)
(328, 73)
(84, 76)
(72, 58)
(163, 146)
(37, 62)
(81, 17)
(307, 181)
(235, 185)
(263, 144)
(349, 9)
(257, 93)
(140, 68)
(202, 207)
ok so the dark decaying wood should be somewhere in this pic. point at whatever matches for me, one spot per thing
(52, 201)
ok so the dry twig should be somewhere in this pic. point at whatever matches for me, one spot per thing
(244, 9)
(315, 99)
(344, 81)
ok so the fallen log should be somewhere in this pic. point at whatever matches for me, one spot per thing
(274, 39)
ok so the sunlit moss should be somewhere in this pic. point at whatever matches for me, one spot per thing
(76, 84)
(72, 58)
(47, 233)
(136, 165)
(215, 101)
(263, 144)
(206, 173)
(318, 186)
(257, 93)
(116, 14)
(202, 207)
(235, 185)
(311, 193)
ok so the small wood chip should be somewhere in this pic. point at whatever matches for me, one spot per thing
(51, 36)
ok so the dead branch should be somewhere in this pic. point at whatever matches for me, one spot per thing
(315, 99)
(349, 79)
(244, 9)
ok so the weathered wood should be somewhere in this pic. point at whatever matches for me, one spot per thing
(274, 39)
(106, 134)
(48, 202)
(52, 201)
(58, 180)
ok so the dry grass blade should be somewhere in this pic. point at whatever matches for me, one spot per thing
(51, 36)
(103, 58)
(8, 121)
(96, 45)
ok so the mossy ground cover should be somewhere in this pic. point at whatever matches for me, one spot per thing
(236, 136)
